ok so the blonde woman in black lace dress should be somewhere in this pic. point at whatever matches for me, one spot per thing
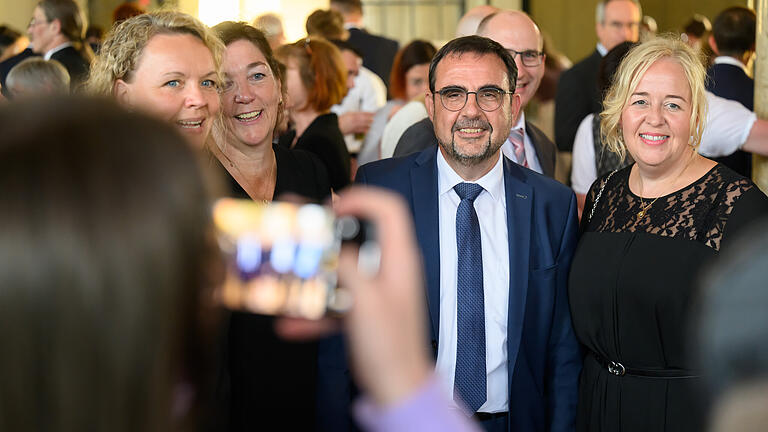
(648, 231)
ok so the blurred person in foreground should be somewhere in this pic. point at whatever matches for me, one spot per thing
(316, 79)
(108, 271)
(648, 231)
(729, 334)
(165, 63)
(108, 297)
(261, 370)
(35, 77)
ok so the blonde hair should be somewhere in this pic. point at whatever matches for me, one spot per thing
(122, 48)
(628, 76)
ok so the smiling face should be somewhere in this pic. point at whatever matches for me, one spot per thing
(416, 81)
(251, 94)
(175, 80)
(515, 31)
(471, 136)
(656, 120)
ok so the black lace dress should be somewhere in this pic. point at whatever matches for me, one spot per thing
(631, 287)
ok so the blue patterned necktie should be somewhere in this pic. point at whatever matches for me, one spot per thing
(470, 380)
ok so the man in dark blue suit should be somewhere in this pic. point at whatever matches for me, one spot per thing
(733, 40)
(497, 241)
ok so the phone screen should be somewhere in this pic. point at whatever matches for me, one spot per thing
(281, 257)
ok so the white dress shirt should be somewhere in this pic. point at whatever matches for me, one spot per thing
(490, 206)
(530, 151)
(369, 94)
(727, 128)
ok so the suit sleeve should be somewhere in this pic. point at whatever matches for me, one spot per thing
(571, 106)
(564, 360)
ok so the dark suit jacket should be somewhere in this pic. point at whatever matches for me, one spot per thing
(8, 64)
(323, 138)
(421, 136)
(543, 354)
(577, 96)
(730, 82)
(76, 65)
(378, 52)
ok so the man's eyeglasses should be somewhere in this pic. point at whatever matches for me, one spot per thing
(33, 22)
(529, 58)
(620, 26)
(488, 98)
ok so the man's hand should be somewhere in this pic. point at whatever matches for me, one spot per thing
(357, 122)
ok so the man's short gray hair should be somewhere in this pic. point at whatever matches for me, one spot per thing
(38, 76)
(600, 9)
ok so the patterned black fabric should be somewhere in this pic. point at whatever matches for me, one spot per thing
(697, 212)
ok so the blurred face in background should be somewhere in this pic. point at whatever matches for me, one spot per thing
(621, 24)
(416, 81)
(251, 94)
(352, 62)
(175, 80)
(41, 31)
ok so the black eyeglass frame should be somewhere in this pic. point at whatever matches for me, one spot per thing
(443, 91)
(532, 61)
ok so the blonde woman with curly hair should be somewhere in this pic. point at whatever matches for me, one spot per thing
(647, 232)
(166, 63)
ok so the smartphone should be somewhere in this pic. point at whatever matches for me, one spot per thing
(282, 257)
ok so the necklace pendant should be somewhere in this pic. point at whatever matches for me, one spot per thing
(640, 214)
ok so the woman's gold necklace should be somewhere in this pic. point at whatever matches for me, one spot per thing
(265, 187)
(643, 207)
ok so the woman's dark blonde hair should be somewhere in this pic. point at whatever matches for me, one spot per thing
(122, 48)
(628, 76)
(321, 69)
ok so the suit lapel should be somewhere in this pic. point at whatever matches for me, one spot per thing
(544, 152)
(519, 197)
(427, 221)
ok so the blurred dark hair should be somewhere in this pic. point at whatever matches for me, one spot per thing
(347, 6)
(126, 10)
(734, 31)
(8, 37)
(698, 26)
(106, 273)
(326, 23)
(610, 64)
(415, 53)
(476, 45)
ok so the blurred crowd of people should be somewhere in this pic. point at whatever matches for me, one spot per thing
(563, 246)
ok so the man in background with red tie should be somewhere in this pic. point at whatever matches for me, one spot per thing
(516, 31)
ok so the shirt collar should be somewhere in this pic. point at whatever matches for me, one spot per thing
(492, 181)
(54, 50)
(520, 122)
(731, 61)
(601, 49)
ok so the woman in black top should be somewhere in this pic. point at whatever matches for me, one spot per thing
(265, 375)
(316, 80)
(648, 232)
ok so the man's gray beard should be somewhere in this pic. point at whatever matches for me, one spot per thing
(470, 160)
